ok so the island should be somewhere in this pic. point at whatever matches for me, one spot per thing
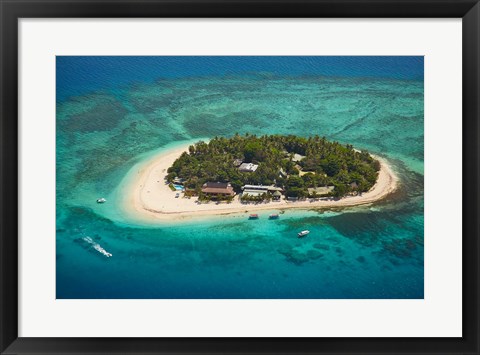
(249, 173)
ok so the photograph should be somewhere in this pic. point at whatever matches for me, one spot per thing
(240, 177)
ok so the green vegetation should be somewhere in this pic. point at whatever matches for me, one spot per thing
(258, 198)
(172, 187)
(290, 162)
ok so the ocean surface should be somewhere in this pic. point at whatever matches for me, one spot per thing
(114, 112)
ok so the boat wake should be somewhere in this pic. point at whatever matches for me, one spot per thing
(97, 247)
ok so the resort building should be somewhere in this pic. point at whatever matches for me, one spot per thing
(248, 167)
(274, 188)
(218, 189)
(178, 181)
(255, 190)
(297, 157)
(276, 196)
(321, 191)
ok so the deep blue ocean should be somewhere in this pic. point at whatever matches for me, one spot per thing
(112, 112)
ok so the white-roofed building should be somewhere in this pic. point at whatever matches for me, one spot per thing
(297, 157)
(255, 190)
(248, 167)
(321, 191)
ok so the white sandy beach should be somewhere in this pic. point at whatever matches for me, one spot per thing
(148, 197)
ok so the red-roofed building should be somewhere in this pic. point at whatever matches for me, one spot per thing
(218, 188)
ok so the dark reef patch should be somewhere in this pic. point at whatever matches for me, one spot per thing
(400, 248)
(362, 227)
(103, 115)
(299, 258)
(361, 259)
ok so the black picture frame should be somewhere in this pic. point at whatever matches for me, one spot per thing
(12, 11)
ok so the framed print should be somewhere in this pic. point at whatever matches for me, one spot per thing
(202, 177)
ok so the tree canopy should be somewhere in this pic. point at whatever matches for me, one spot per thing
(322, 163)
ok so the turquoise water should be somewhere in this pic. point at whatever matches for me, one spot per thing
(105, 127)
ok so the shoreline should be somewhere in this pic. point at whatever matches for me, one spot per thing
(147, 197)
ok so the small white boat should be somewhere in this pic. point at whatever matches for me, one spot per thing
(101, 200)
(303, 233)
